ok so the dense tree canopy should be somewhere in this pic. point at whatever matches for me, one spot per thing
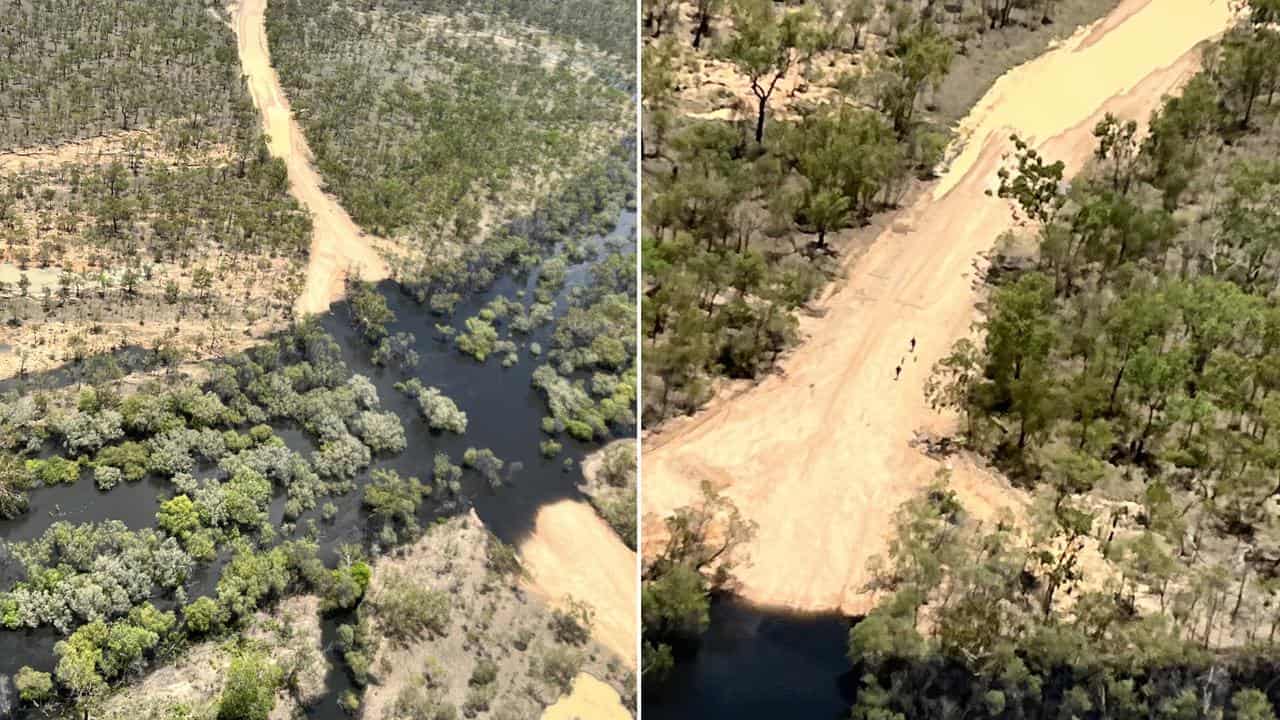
(81, 68)
(1123, 373)
(420, 121)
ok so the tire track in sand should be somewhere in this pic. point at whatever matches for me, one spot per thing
(818, 455)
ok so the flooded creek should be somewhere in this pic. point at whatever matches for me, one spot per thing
(504, 415)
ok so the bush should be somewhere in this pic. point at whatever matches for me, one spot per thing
(345, 586)
(479, 339)
(501, 557)
(421, 700)
(55, 470)
(484, 673)
(572, 625)
(381, 431)
(32, 685)
(15, 479)
(394, 499)
(341, 458)
(202, 615)
(486, 463)
(350, 701)
(579, 430)
(407, 609)
(446, 474)
(107, 477)
(441, 412)
(479, 697)
(128, 457)
(559, 665)
(261, 433)
(250, 692)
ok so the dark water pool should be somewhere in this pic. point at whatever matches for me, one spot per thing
(756, 664)
(504, 414)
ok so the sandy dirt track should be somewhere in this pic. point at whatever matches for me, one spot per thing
(818, 454)
(338, 247)
(572, 551)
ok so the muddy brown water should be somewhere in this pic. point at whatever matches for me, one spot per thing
(504, 414)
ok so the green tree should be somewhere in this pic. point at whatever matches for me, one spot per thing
(1251, 704)
(922, 59)
(250, 690)
(32, 685)
(824, 211)
(764, 47)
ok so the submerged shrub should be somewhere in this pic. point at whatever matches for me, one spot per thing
(486, 463)
(439, 411)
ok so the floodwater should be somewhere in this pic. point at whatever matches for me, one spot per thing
(504, 414)
(755, 664)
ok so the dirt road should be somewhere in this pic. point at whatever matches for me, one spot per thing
(338, 247)
(818, 455)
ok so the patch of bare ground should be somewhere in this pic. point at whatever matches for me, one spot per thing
(818, 454)
(193, 682)
(100, 149)
(573, 553)
(501, 653)
(589, 700)
(68, 315)
(70, 290)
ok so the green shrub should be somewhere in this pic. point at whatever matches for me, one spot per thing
(407, 609)
(484, 673)
(55, 470)
(32, 685)
(559, 665)
(202, 615)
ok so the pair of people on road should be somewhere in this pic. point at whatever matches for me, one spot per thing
(897, 372)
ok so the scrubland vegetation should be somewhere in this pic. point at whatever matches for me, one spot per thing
(84, 68)
(182, 258)
(1120, 374)
(770, 131)
(170, 228)
(433, 128)
(444, 631)
(609, 480)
